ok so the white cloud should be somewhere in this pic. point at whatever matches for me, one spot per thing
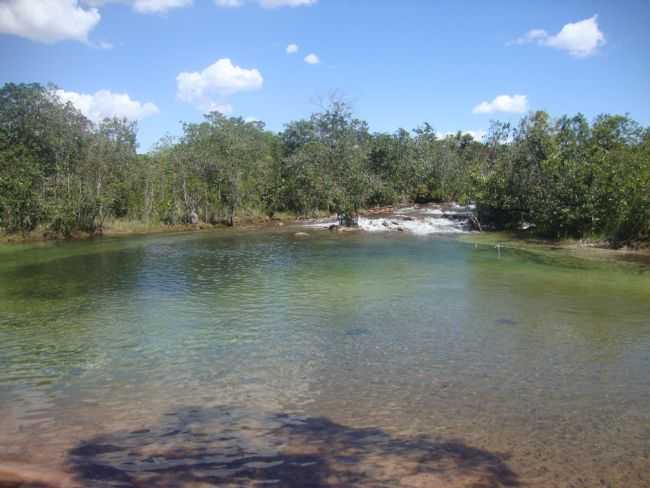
(292, 48)
(503, 103)
(312, 59)
(207, 89)
(531, 36)
(144, 6)
(229, 3)
(105, 103)
(157, 6)
(47, 20)
(579, 39)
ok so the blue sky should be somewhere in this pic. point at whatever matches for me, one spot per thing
(399, 62)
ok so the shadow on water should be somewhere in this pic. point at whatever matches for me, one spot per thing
(236, 447)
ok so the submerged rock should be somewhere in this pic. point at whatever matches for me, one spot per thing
(301, 234)
(348, 220)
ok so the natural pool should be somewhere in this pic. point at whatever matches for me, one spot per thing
(252, 358)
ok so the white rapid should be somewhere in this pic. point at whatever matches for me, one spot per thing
(420, 226)
(419, 220)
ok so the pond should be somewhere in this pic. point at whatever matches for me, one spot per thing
(249, 358)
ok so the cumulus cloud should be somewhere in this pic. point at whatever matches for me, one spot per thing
(47, 20)
(292, 48)
(312, 59)
(579, 39)
(229, 3)
(144, 6)
(503, 103)
(104, 103)
(157, 6)
(207, 89)
(532, 35)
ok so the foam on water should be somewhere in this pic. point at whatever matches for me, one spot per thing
(419, 220)
(321, 223)
(419, 226)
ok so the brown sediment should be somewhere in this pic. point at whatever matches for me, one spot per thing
(22, 475)
(227, 446)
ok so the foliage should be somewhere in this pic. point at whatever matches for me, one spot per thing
(564, 177)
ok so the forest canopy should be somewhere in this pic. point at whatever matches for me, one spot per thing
(565, 177)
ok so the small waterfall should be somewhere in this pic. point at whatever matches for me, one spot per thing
(419, 220)
(421, 226)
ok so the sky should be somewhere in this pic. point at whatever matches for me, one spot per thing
(455, 64)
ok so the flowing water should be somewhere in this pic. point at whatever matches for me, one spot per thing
(356, 359)
(419, 220)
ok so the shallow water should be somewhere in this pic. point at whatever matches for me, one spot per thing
(239, 359)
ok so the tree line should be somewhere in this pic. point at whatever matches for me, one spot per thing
(563, 177)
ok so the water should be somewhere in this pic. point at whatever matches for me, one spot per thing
(419, 220)
(362, 359)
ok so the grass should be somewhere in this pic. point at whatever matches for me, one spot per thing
(523, 240)
(124, 227)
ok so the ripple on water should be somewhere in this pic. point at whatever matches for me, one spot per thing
(356, 360)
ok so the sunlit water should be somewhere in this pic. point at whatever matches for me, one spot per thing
(251, 358)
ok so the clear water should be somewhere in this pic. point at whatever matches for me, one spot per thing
(247, 359)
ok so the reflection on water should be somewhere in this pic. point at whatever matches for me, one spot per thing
(376, 360)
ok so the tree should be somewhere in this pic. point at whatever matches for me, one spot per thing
(565, 177)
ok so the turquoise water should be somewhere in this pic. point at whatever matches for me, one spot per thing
(236, 359)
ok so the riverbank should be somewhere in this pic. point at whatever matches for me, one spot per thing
(522, 240)
(124, 229)
(416, 219)
(127, 228)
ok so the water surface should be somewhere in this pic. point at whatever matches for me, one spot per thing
(243, 359)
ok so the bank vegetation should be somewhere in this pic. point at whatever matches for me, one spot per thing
(559, 177)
